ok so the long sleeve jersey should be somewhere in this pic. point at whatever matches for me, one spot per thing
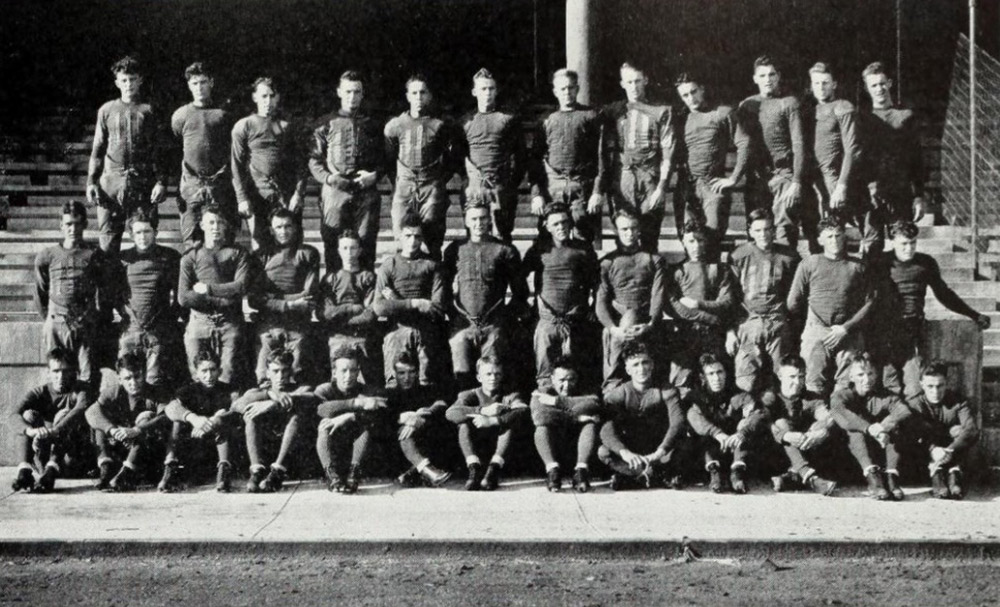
(566, 408)
(266, 153)
(630, 281)
(835, 138)
(205, 133)
(127, 137)
(774, 130)
(570, 145)
(303, 398)
(640, 134)
(71, 282)
(933, 420)
(345, 144)
(333, 402)
(199, 399)
(893, 151)
(224, 270)
(854, 412)
(425, 398)
(116, 408)
(765, 277)
(345, 301)
(835, 291)
(705, 138)
(564, 277)
(407, 278)
(287, 273)
(794, 413)
(422, 148)
(494, 144)
(905, 284)
(711, 284)
(713, 413)
(147, 285)
(48, 401)
(632, 413)
(480, 274)
(513, 409)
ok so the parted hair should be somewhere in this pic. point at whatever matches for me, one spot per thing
(904, 228)
(198, 68)
(566, 73)
(75, 208)
(352, 76)
(282, 357)
(131, 361)
(127, 65)
(934, 368)
(144, 215)
(875, 68)
(686, 78)
(265, 81)
(765, 61)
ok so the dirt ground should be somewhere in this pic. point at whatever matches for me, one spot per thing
(416, 580)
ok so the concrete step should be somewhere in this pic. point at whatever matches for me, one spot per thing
(991, 356)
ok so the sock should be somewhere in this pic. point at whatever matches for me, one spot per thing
(738, 464)
(278, 467)
(129, 465)
(423, 464)
(955, 469)
(551, 466)
(582, 467)
(255, 468)
(870, 469)
(472, 459)
(893, 472)
(25, 466)
(498, 460)
(102, 460)
(709, 465)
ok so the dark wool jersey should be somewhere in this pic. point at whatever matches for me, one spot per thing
(428, 398)
(570, 144)
(346, 299)
(711, 284)
(492, 141)
(765, 277)
(855, 413)
(836, 291)
(641, 132)
(774, 127)
(287, 273)
(481, 273)
(906, 282)
(201, 400)
(302, 397)
(265, 150)
(345, 144)
(631, 413)
(938, 419)
(117, 408)
(334, 401)
(205, 135)
(472, 401)
(893, 151)
(630, 280)
(423, 145)
(565, 276)
(147, 283)
(70, 281)
(224, 270)
(836, 146)
(47, 401)
(418, 277)
(128, 137)
(707, 136)
(712, 413)
(798, 412)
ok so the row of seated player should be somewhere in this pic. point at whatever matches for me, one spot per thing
(642, 430)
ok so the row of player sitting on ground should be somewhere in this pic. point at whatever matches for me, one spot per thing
(646, 434)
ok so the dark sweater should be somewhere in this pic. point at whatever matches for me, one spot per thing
(47, 402)
(128, 136)
(707, 136)
(905, 287)
(345, 144)
(630, 280)
(205, 134)
(226, 272)
(565, 276)
(481, 273)
(836, 144)
(837, 291)
(630, 413)
(494, 144)
(893, 150)
(266, 151)
(423, 146)
(765, 277)
(147, 285)
(71, 281)
(932, 420)
(117, 408)
(199, 399)
(774, 128)
(855, 413)
(287, 273)
(345, 301)
(712, 413)
(640, 133)
(570, 144)
(408, 278)
(711, 284)
(513, 409)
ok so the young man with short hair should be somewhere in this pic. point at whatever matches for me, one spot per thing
(47, 423)
(214, 278)
(421, 425)
(726, 422)
(872, 418)
(563, 417)
(268, 163)
(280, 405)
(351, 415)
(284, 294)
(347, 158)
(629, 299)
(945, 426)
(126, 170)
(801, 423)
(492, 145)
(480, 269)
(644, 429)
(146, 282)
(72, 293)
(487, 414)
(421, 156)
(764, 335)
(411, 292)
(204, 130)
(200, 411)
(127, 420)
(568, 167)
(640, 139)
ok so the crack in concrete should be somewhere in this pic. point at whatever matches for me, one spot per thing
(277, 514)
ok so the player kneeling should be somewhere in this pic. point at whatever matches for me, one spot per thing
(200, 412)
(127, 420)
(350, 414)
(642, 437)
(486, 413)
(420, 416)
(561, 414)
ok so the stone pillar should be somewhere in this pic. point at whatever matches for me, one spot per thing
(580, 39)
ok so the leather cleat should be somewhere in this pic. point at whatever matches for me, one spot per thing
(24, 481)
(715, 478)
(474, 478)
(123, 481)
(274, 481)
(581, 480)
(334, 481)
(411, 478)
(491, 480)
(353, 480)
(786, 481)
(737, 479)
(553, 480)
(171, 480)
(895, 490)
(257, 476)
(955, 487)
(224, 477)
(822, 486)
(939, 485)
(47, 481)
(106, 472)
(876, 485)
(435, 477)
